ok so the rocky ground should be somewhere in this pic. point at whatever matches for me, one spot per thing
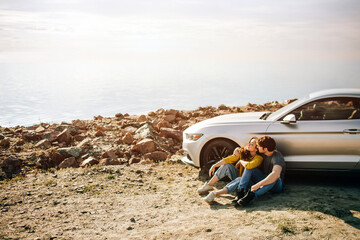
(121, 178)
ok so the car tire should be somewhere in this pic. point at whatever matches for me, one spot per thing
(214, 151)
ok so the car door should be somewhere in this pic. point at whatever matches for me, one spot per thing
(326, 135)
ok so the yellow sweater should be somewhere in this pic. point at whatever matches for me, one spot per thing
(254, 162)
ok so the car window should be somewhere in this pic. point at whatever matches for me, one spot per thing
(329, 109)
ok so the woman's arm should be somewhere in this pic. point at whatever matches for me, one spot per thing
(218, 164)
(254, 163)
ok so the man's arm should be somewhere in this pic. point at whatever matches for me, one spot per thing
(272, 177)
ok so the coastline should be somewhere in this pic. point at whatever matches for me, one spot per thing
(122, 139)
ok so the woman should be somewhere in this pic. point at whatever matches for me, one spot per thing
(249, 158)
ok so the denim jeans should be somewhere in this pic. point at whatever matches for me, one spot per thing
(256, 175)
(227, 170)
(232, 186)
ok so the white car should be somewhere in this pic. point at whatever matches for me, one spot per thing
(318, 132)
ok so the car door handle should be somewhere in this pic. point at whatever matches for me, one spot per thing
(352, 131)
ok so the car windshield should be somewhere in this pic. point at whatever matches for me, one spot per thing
(275, 115)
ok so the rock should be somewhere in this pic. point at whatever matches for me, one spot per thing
(144, 146)
(129, 129)
(19, 142)
(84, 143)
(79, 137)
(64, 136)
(171, 112)
(43, 143)
(2, 174)
(10, 165)
(89, 162)
(156, 156)
(109, 154)
(69, 162)
(119, 116)
(223, 107)
(134, 160)
(100, 133)
(163, 123)
(145, 131)
(72, 129)
(170, 118)
(79, 124)
(70, 151)
(171, 133)
(40, 129)
(142, 118)
(1, 137)
(31, 136)
(109, 161)
(147, 161)
(51, 136)
(128, 138)
(55, 159)
(5, 143)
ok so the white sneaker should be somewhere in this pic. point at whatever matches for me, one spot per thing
(205, 188)
(210, 197)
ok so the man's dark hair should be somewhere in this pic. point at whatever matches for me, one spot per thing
(267, 142)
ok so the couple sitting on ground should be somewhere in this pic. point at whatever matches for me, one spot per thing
(260, 168)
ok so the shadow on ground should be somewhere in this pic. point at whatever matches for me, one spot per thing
(329, 193)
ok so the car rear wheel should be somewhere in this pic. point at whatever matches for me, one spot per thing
(214, 152)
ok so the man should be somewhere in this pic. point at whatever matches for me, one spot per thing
(272, 177)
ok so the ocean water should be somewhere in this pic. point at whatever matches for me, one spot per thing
(53, 92)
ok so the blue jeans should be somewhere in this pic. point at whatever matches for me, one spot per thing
(227, 170)
(255, 175)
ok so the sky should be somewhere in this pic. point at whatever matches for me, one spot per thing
(179, 30)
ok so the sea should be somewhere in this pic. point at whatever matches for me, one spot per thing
(55, 92)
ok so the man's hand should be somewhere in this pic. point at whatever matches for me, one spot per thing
(255, 187)
(237, 152)
(237, 166)
(243, 163)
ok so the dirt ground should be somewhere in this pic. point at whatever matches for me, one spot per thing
(160, 201)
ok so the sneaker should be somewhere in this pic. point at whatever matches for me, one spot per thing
(239, 195)
(205, 189)
(247, 199)
(210, 197)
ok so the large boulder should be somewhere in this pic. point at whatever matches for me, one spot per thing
(79, 124)
(5, 143)
(70, 151)
(69, 162)
(64, 136)
(72, 129)
(31, 136)
(145, 146)
(128, 138)
(109, 154)
(55, 159)
(10, 165)
(145, 131)
(171, 133)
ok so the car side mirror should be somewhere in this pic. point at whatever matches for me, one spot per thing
(288, 119)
